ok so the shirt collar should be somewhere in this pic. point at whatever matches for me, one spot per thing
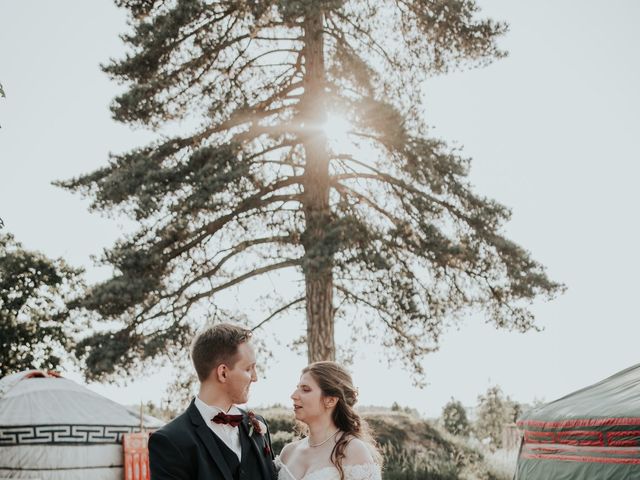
(210, 411)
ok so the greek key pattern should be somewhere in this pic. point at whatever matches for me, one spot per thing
(586, 438)
(63, 434)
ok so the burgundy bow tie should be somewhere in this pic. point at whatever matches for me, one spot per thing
(223, 418)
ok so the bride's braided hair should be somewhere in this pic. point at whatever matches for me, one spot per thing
(335, 381)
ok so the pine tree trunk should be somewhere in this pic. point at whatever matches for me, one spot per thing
(318, 259)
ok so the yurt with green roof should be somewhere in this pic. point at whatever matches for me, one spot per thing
(592, 434)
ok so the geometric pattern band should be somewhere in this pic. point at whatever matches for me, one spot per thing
(63, 434)
(593, 438)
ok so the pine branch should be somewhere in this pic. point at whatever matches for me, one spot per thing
(377, 46)
(347, 191)
(388, 318)
(233, 252)
(246, 276)
(277, 312)
(406, 188)
(250, 203)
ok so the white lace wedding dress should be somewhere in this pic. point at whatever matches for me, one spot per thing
(367, 471)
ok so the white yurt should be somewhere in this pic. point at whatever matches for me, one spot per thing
(53, 428)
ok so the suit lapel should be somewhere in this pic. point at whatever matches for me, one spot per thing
(250, 442)
(245, 441)
(206, 436)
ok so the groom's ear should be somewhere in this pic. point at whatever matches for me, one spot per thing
(221, 373)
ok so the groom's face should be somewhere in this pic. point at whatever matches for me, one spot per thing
(243, 373)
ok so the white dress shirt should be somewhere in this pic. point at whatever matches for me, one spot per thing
(228, 434)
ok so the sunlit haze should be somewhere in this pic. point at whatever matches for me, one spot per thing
(337, 129)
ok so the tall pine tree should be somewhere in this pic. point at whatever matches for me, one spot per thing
(386, 222)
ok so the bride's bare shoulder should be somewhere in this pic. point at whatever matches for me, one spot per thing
(288, 449)
(357, 452)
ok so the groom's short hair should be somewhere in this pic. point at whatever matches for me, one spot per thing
(215, 345)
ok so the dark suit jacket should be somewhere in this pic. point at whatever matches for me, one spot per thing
(185, 449)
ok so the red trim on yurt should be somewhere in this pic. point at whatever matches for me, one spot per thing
(582, 458)
(629, 442)
(42, 374)
(587, 422)
(539, 437)
(626, 438)
(577, 437)
(569, 448)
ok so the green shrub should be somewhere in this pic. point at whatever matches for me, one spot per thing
(279, 439)
(279, 419)
(282, 426)
(494, 411)
(454, 418)
(415, 463)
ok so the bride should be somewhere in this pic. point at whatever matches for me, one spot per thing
(338, 446)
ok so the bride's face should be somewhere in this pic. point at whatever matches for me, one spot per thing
(308, 401)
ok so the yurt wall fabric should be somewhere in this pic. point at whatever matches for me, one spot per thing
(53, 428)
(592, 433)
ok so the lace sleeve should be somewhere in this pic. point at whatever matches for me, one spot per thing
(366, 471)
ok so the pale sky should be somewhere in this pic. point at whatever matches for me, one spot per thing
(553, 132)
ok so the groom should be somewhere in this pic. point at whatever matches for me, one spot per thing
(214, 439)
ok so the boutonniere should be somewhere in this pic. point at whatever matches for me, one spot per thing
(260, 428)
(255, 425)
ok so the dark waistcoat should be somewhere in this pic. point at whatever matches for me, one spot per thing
(249, 467)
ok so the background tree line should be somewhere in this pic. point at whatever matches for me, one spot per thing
(494, 413)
